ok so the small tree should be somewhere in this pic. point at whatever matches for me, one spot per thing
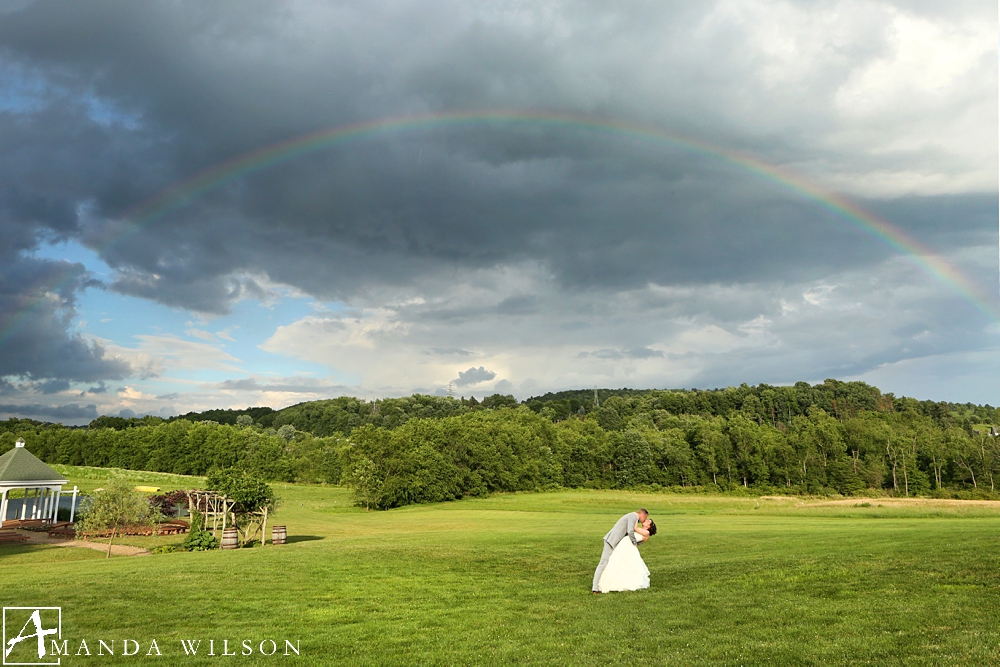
(251, 499)
(115, 507)
(367, 486)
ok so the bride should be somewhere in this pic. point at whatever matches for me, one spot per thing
(626, 570)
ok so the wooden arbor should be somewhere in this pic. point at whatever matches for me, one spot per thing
(212, 506)
(218, 508)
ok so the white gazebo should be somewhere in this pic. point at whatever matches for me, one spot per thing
(20, 470)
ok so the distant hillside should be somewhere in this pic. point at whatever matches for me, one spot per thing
(774, 404)
(830, 438)
(763, 403)
(262, 416)
(344, 414)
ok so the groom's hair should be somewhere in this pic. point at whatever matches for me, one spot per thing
(642, 510)
(652, 528)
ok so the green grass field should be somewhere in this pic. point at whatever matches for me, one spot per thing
(507, 580)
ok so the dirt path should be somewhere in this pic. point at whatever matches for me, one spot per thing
(116, 549)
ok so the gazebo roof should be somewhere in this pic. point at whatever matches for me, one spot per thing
(19, 465)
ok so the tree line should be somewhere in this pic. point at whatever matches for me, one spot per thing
(834, 437)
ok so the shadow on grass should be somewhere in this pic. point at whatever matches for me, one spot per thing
(8, 548)
(302, 538)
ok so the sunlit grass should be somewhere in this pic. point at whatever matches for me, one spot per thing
(506, 579)
(88, 478)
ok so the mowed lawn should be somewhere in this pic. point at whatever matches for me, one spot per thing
(507, 580)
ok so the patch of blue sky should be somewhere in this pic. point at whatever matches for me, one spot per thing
(249, 324)
(20, 93)
(130, 322)
(23, 93)
(106, 113)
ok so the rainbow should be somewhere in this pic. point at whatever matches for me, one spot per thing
(183, 192)
(191, 188)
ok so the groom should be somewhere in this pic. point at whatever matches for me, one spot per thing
(624, 526)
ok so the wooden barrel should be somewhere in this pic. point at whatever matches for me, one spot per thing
(230, 538)
(278, 535)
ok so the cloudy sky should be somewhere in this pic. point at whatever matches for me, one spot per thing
(505, 251)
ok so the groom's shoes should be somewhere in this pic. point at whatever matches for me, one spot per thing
(596, 592)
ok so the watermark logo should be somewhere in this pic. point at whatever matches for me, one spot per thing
(29, 633)
(33, 636)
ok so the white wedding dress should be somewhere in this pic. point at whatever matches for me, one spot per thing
(626, 570)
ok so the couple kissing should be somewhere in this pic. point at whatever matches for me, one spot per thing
(621, 567)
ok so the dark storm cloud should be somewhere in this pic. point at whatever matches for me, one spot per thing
(945, 221)
(474, 376)
(639, 353)
(292, 386)
(37, 303)
(119, 100)
(51, 386)
(219, 80)
(449, 351)
(71, 411)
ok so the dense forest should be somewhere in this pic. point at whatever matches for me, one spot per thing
(831, 438)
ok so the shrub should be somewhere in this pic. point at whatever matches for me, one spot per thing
(166, 504)
(199, 539)
(166, 549)
(116, 507)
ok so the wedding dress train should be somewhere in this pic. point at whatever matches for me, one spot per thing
(626, 570)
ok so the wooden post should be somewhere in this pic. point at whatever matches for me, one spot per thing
(223, 522)
(263, 530)
(72, 508)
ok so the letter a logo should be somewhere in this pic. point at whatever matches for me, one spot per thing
(38, 626)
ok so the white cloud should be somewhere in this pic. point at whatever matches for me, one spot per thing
(171, 352)
(226, 335)
(699, 335)
(201, 334)
(925, 63)
(130, 396)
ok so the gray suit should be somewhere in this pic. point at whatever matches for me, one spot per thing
(624, 526)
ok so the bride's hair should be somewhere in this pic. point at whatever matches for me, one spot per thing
(652, 528)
